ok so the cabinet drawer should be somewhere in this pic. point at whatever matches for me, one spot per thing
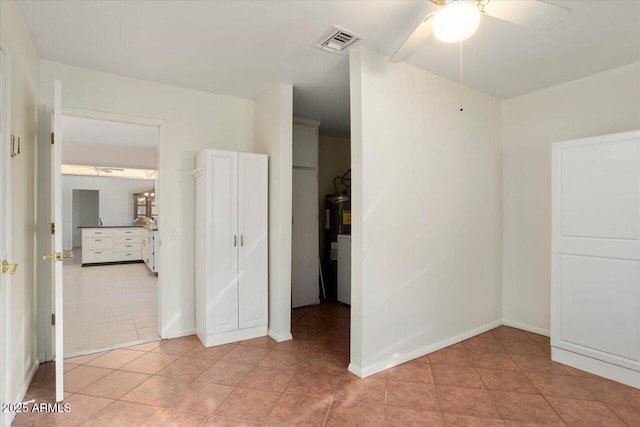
(127, 247)
(89, 257)
(97, 232)
(127, 232)
(91, 243)
(127, 256)
(127, 240)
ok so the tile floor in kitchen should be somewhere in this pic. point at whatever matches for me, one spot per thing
(502, 377)
(108, 305)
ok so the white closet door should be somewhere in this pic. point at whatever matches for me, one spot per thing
(222, 292)
(596, 255)
(253, 247)
(304, 242)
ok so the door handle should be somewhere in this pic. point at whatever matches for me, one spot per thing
(9, 267)
(58, 256)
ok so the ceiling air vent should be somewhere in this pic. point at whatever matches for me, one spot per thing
(337, 40)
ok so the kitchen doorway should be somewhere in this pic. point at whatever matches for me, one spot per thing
(110, 214)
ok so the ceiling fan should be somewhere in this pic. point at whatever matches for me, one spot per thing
(459, 20)
(99, 169)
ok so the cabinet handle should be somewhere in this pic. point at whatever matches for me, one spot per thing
(97, 232)
(235, 240)
(97, 252)
(241, 240)
(97, 240)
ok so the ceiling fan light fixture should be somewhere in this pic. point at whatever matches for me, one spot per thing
(458, 21)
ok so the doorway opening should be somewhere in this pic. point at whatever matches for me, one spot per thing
(109, 222)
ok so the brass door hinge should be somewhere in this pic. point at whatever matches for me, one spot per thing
(53, 228)
(53, 137)
(53, 319)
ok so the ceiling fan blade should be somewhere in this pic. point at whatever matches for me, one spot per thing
(415, 40)
(536, 14)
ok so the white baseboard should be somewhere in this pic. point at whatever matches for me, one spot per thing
(178, 334)
(23, 390)
(613, 372)
(402, 358)
(280, 337)
(525, 327)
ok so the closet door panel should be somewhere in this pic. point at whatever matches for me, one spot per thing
(253, 246)
(222, 283)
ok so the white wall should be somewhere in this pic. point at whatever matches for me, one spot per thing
(92, 154)
(274, 136)
(194, 120)
(426, 212)
(601, 104)
(23, 351)
(115, 200)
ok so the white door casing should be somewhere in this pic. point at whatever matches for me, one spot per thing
(5, 235)
(56, 247)
(595, 292)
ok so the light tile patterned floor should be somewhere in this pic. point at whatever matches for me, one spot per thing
(108, 305)
(502, 377)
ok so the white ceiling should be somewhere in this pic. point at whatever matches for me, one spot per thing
(241, 48)
(77, 129)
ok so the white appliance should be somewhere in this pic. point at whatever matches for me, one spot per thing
(231, 246)
(595, 255)
(305, 228)
(344, 268)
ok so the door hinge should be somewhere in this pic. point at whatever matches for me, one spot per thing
(53, 319)
(53, 228)
(53, 137)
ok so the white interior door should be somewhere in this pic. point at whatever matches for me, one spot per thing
(304, 244)
(5, 236)
(596, 255)
(56, 254)
(252, 228)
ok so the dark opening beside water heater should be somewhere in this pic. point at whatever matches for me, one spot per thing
(337, 220)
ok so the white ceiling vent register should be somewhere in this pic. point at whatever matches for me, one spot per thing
(337, 40)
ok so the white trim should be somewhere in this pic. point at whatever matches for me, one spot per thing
(23, 391)
(233, 336)
(526, 327)
(178, 334)
(5, 237)
(597, 367)
(110, 347)
(280, 337)
(366, 371)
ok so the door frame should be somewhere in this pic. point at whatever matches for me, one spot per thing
(46, 335)
(5, 234)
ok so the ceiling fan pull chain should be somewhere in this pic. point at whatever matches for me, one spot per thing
(461, 77)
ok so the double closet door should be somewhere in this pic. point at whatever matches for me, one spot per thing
(231, 246)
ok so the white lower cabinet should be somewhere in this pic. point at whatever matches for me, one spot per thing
(150, 249)
(231, 246)
(111, 244)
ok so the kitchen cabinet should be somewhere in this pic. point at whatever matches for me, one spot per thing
(111, 244)
(150, 249)
(231, 246)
